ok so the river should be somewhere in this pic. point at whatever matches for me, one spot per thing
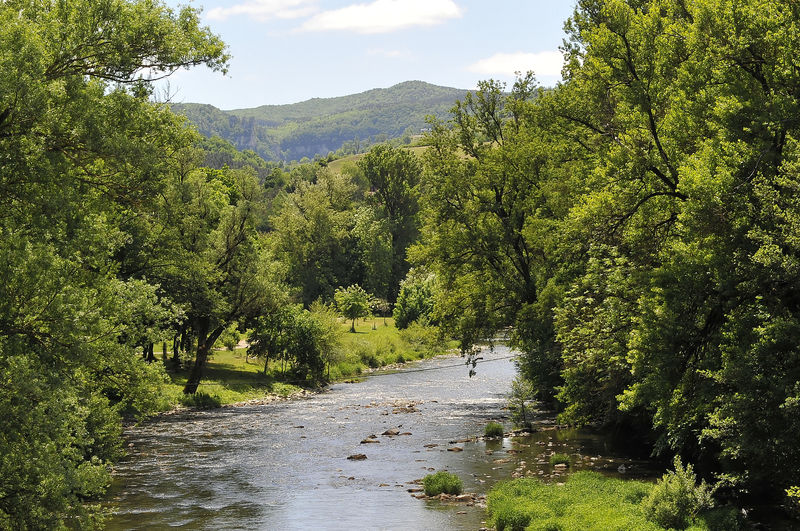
(284, 465)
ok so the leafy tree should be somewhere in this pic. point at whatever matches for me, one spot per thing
(353, 302)
(492, 219)
(415, 300)
(313, 237)
(83, 152)
(637, 227)
(393, 175)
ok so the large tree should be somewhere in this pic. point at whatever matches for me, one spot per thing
(394, 175)
(83, 150)
(650, 257)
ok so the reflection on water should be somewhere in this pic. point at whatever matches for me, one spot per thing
(285, 466)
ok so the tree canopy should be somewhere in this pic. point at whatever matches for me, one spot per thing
(637, 227)
(84, 152)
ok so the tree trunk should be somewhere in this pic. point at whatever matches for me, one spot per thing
(149, 357)
(205, 341)
(164, 351)
(176, 350)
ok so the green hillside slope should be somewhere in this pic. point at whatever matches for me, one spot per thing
(321, 125)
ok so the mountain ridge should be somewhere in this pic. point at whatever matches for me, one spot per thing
(317, 126)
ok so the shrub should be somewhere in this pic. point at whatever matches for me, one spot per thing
(559, 459)
(400, 359)
(442, 482)
(201, 400)
(423, 338)
(369, 360)
(522, 392)
(512, 520)
(493, 429)
(677, 498)
(415, 300)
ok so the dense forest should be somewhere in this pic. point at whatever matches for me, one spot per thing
(636, 230)
(314, 128)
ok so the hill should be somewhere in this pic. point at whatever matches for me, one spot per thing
(321, 125)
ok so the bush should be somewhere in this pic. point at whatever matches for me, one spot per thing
(493, 429)
(677, 498)
(201, 400)
(423, 339)
(522, 393)
(442, 482)
(559, 459)
(415, 300)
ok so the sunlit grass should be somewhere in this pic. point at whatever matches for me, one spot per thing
(586, 501)
(231, 376)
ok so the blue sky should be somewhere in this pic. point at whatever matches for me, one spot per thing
(285, 51)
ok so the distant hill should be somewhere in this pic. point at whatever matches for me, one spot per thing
(321, 125)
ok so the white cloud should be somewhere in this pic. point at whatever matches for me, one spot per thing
(383, 16)
(544, 64)
(389, 54)
(266, 9)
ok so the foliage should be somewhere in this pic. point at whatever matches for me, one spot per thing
(309, 340)
(586, 500)
(677, 498)
(442, 482)
(415, 300)
(353, 303)
(424, 339)
(494, 190)
(493, 430)
(636, 229)
(85, 153)
(522, 393)
(793, 493)
(393, 175)
(314, 237)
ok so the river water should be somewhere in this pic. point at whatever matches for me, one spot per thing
(284, 465)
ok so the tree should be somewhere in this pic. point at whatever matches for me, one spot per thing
(491, 221)
(353, 302)
(393, 175)
(313, 236)
(83, 151)
(637, 227)
(415, 300)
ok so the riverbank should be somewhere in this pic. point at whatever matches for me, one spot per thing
(233, 378)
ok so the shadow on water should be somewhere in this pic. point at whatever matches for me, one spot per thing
(285, 466)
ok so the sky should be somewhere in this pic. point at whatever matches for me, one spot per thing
(286, 51)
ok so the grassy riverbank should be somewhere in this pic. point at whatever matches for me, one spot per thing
(592, 502)
(232, 376)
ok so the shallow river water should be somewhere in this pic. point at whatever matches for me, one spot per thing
(284, 465)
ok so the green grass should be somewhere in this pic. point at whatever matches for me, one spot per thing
(587, 501)
(442, 482)
(230, 378)
(559, 459)
(493, 430)
(385, 345)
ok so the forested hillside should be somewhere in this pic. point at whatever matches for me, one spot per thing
(323, 125)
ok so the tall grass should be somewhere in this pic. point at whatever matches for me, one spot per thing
(587, 501)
